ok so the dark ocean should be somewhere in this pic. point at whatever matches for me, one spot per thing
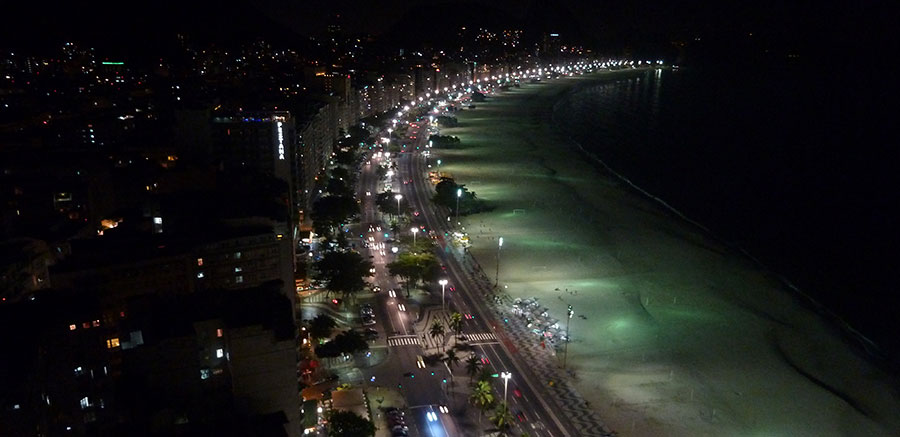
(794, 164)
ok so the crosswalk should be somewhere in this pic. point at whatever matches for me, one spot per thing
(481, 337)
(406, 340)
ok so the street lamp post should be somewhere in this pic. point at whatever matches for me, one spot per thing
(398, 197)
(414, 232)
(458, 195)
(443, 283)
(497, 276)
(505, 376)
(566, 352)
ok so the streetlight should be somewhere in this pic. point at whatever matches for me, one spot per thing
(566, 352)
(505, 376)
(443, 283)
(414, 232)
(458, 195)
(398, 197)
(497, 277)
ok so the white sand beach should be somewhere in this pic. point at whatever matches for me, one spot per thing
(681, 335)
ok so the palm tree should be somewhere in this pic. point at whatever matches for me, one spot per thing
(502, 418)
(483, 397)
(437, 330)
(473, 365)
(456, 324)
(451, 360)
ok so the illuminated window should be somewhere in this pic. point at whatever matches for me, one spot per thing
(73, 327)
(199, 261)
(95, 323)
(220, 353)
(238, 279)
(199, 275)
(85, 403)
(79, 371)
(204, 373)
(219, 332)
(112, 342)
(156, 220)
(237, 255)
(238, 269)
(86, 325)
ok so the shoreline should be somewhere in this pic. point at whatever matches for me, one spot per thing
(744, 351)
(855, 337)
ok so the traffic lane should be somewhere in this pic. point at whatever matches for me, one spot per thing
(488, 324)
(429, 421)
(497, 354)
(413, 165)
(536, 422)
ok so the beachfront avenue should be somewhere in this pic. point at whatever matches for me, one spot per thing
(438, 400)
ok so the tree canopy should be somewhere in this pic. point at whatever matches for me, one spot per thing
(413, 267)
(388, 205)
(328, 212)
(321, 326)
(443, 141)
(445, 195)
(343, 271)
(349, 424)
(347, 342)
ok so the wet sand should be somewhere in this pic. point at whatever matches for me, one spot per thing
(682, 335)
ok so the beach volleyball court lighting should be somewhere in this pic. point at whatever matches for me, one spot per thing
(497, 275)
(394, 249)
(443, 283)
(458, 195)
(414, 232)
(398, 197)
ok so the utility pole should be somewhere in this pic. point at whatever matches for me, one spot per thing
(568, 320)
(497, 275)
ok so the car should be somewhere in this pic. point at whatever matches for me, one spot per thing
(399, 427)
(517, 393)
(420, 362)
(485, 360)
(469, 316)
(409, 375)
(369, 321)
(399, 433)
(372, 270)
(376, 289)
(521, 416)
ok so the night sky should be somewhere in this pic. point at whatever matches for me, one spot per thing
(805, 25)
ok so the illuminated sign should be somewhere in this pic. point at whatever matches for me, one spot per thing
(112, 63)
(280, 142)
